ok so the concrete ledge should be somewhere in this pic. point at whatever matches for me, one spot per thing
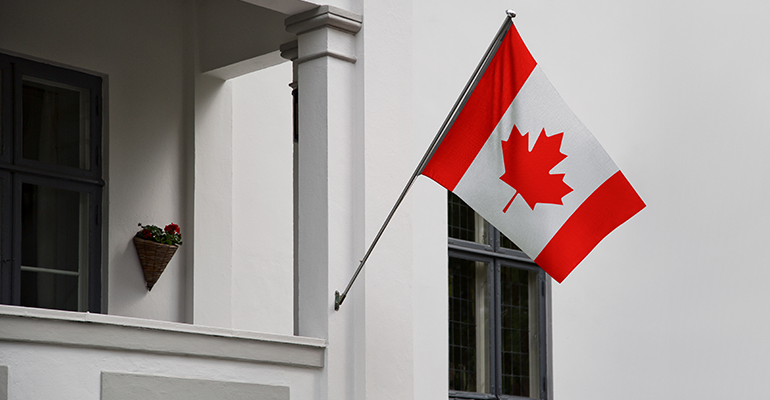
(109, 332)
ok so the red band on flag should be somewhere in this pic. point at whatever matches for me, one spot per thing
(494, 93)
(612, 204)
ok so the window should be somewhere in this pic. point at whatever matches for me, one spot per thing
(50, 186)
(497, 313)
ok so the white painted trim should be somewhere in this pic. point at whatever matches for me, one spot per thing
(248, 66)
(324, 16)
(284, 6)
(110, 332)
(327, 53)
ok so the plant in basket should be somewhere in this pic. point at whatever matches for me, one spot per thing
(155, 247)
(171, 234)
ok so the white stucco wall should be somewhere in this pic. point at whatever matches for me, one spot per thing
(669, 306)
(263, 271)
(388, 282)
(48, 373)
(63, 355)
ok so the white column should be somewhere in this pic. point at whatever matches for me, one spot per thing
(329, 173)
(213, 187)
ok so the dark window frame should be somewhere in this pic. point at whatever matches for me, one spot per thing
(16, 170)
(495, 256)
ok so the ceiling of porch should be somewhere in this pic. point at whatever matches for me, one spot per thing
(241, 36)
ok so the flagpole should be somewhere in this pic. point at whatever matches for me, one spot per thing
(485, 60)
(460, 102)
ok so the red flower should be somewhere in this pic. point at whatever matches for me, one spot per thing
(172, 228)
(146, 234)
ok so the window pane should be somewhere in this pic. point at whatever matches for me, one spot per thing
(54, 247)
(45, 290)
(468, 326)
(464, 223)
(518, 323)
(55, 123)
(507, 243)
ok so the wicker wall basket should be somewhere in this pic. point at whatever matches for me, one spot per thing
(154, 257)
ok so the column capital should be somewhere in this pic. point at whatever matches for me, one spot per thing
(290, 50)
(324, 16)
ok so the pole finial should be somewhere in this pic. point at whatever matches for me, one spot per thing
(511, 13)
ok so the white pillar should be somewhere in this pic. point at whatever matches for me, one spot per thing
(213, 187)
(329, 173)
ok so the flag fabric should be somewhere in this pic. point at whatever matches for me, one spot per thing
(518, 156)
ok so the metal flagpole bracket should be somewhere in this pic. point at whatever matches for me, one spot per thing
(338, 300)
(511, 13)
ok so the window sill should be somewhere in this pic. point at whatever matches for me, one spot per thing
(111, 332)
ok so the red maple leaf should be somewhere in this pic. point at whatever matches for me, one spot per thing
(529, 171)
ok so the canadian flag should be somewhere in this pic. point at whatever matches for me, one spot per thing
(519, 157)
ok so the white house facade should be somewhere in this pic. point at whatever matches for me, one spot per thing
(278, 134)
